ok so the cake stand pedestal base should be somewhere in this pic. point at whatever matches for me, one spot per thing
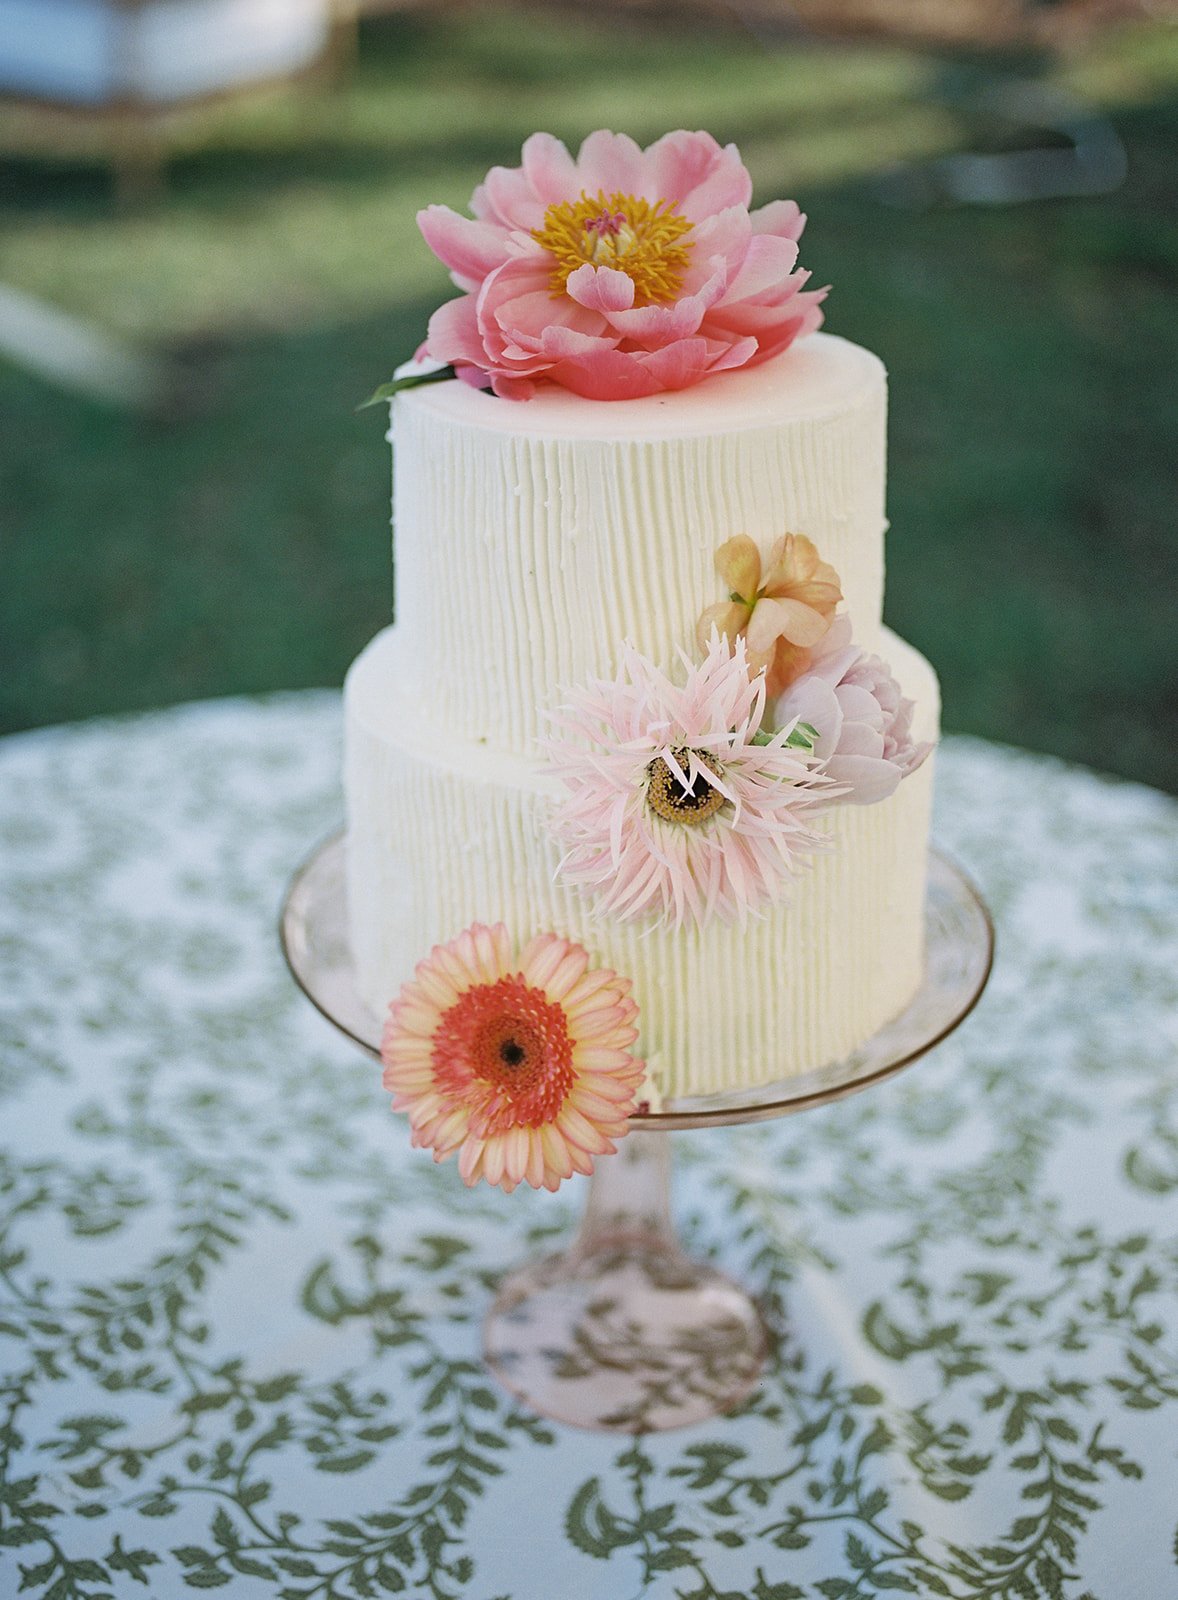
(624, 1332)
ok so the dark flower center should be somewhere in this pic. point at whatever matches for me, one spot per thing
(507, 1046)
(668, 799)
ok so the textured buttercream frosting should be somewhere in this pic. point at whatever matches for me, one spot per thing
(532, 538)
(443, 832)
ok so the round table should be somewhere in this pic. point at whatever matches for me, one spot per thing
(239, 1316)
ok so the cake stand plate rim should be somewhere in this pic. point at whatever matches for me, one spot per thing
(316, 893)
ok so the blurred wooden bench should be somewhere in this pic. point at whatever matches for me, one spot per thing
(118, 70)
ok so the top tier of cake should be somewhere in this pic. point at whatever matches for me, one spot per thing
(532, 537)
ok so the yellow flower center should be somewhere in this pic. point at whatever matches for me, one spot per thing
(667, 798)
(638, 237)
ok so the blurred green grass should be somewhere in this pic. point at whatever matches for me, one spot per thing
(238, 543)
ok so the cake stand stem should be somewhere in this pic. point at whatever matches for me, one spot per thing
(624, 1331)
(629, 1202)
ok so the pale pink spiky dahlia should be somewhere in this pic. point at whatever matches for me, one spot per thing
(678, 805)
(522, 1066)
(619, 273)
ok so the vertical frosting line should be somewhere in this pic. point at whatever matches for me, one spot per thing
(529, 545)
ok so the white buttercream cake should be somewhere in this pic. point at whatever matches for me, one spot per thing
(531, 539)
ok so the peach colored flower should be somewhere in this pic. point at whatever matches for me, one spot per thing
(521, 1066)
(678, 805)
(618, 274)
(781, 614)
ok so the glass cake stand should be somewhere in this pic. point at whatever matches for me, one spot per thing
(623, 1331)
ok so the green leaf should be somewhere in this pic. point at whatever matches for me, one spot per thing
(132, 1561)
(412, 380)
(30, 1577)
(968, 1465)
(858, 1554)
(874, 1503)
(224, 1532)
(592, 1527)
(933, 1582)
(20, 1533)
(206, 1578)
(666, 1560)
(251, 1568)
(276, 1388)
(297, 1566)
(763, 1590)
(351, 1463)
(949, 1491)
(158, 1506)
(191, 1555)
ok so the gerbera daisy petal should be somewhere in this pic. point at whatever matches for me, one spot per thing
(522, 1066)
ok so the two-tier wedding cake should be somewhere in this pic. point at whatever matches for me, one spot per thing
(637, 789)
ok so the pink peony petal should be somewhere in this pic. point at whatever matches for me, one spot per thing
(522, 292)
(658, 325)
(677, 366)
(680, 162)
(727, 184)
(474, 377)
(570, 344)
(601, 289)
(869, 780)
(549, 169)
(811, 699)
(526, 321)
(469, 249)
(724, 355)
(861, 705)
(781, 217)
(511, 388)
(606, 375)
(727, 234)
(613, 163)
(509, 199)
(860, 739)
(454, 333)
(768, 261)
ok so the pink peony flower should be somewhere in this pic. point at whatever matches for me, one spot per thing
(522, 1066)
(619, 274)
(677, 804)
(863, 722)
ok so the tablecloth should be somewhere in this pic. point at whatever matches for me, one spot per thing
(239, 1317)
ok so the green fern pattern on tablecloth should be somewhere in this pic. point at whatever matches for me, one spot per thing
(239, 1317)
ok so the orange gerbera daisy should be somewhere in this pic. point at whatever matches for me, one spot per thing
(521, 1066)
(782, 613)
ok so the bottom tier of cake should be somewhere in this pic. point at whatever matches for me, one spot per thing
(443, 832)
